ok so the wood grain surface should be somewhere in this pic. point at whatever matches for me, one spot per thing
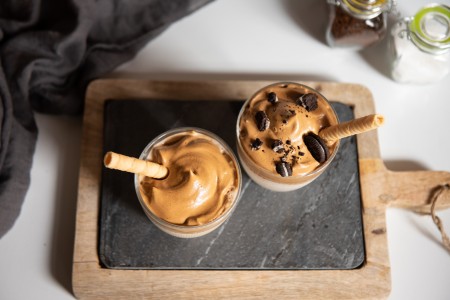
(380, 188)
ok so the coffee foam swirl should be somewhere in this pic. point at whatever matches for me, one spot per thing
(201, 183)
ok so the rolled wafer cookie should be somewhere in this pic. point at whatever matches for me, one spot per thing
(335, 132)
(125, 163)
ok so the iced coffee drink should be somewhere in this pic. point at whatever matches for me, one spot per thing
(278, 136)
(202, 186)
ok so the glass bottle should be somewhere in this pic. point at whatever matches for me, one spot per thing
(419, 46)
(356, 23)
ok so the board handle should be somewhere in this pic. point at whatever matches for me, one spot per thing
(415, 190)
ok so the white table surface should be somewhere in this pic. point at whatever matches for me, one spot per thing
(231, 39)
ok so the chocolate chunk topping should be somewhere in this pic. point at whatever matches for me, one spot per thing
(256, 144)
(317, 147)
(308, 101)
(262, 121)
(283, 168)
(272, 97)
(277, 146)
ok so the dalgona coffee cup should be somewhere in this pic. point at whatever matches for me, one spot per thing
(278, 136)
(202, 187)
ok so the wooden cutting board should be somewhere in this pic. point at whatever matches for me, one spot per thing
(380, 188)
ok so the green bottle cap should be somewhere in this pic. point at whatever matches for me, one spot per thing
(430, 28)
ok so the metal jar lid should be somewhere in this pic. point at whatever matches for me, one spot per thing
(430, 28)
(366, 9)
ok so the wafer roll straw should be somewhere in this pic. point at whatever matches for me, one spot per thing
(336, 132)
(125, 163)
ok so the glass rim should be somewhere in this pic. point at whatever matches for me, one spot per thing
(170, 132)
(365, 10)
(266, 173)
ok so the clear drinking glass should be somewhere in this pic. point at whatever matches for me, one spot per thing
(188, 231)
(268, 178)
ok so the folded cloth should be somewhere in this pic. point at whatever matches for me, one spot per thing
(49, 51)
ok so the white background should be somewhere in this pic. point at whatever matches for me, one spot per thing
(231, 39)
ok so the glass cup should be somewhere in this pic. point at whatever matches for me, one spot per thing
(182, 230)
(297, 122)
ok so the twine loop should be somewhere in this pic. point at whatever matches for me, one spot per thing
(436, 195)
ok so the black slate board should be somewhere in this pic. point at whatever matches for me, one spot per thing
(316, 227)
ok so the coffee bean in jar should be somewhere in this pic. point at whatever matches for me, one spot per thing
(357, 23)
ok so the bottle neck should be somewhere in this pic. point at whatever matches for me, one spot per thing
(364, 9)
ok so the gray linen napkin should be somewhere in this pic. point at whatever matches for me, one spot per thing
(49, 52)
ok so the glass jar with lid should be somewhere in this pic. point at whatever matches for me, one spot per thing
(357, 23)
(419, 46)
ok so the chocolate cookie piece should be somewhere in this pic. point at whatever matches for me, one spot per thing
(277, 146)
(256, 144)
(262, 121)
(308, 101)
(316, 147)
(283, 168)
(272, 97)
